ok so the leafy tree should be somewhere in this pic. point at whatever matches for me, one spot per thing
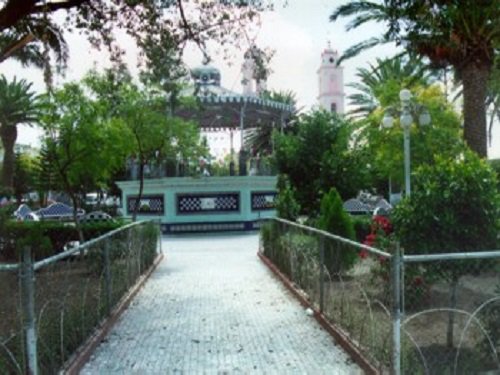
(18, 105)
(84, 145)
(317, 157)
(164, 67)
(462, 34)
(385, 146)
(455, 208)
(286, 205)
(24, 175)
(46, 177)
(153, 135)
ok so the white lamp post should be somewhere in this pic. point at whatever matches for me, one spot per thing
(406, 119)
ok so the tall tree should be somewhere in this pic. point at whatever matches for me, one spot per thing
(152, 135)
(84, 145)
(18, 105)
(463, 34)
(317, 156)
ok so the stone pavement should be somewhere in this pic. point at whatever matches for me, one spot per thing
(212, 307)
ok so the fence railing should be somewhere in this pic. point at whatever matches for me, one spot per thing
(407, 314)
(50, 307)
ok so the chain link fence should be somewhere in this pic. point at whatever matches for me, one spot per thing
(419, 314)
(53, 305)
(451, 308)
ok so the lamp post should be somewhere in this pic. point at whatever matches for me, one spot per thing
(406, 120)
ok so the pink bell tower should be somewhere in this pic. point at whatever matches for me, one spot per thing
(331, 82)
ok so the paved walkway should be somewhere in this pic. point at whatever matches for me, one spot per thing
(212, 307)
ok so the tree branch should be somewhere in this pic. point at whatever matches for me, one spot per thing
(16, 10)
(13, 47)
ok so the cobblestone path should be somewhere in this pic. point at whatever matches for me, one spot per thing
(212, 307)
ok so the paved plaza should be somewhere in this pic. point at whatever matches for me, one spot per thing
(212, 307)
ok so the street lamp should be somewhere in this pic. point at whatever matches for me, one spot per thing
(406, 119)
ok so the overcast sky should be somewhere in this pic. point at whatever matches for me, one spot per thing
(298, 32)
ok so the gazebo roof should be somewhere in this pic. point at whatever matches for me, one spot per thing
(220, 108)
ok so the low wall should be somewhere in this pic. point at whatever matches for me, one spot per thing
(205, 204)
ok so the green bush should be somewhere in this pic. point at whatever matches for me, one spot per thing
(334, 219)
(58, 233)
(286, 205)
(454, 208)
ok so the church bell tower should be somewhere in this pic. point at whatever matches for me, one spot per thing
(331, 82)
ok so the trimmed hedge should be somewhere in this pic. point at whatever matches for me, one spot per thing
(46, 237)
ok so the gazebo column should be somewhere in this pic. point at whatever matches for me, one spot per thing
(231, 162)
(243, 153)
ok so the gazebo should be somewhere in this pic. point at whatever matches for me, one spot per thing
(212, 203)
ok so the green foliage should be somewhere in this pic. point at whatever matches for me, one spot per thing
(373, 87)
(259, 140)
(362, 226)
(317, 156)
(286, 205)
(24, 175)
(454, 207)
(18, 105)
(440, 139)
(75, 125)
(46, 237)
(463, 34)
(334, 219)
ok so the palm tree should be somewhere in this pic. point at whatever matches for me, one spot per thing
(259, 139)
(400, 70)
(462, 34)
(18, 105)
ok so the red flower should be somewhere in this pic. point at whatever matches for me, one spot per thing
(363, 254)
(418, 280)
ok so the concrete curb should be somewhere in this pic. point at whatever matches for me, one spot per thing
(340, 337)
(78, 360)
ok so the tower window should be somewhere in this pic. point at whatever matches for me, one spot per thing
(331, 60)
(333, 107)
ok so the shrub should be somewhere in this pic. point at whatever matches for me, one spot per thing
(58, 233)
(286, 204)
(454, 208)
(334, 219)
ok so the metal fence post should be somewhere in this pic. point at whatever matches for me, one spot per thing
(28, 308)
(107, 276)
(160, 235)
(321, 273)
(396, 311)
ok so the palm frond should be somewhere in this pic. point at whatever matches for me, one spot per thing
(360, 47)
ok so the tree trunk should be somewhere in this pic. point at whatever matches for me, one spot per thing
(475, 80)
(8, 134)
